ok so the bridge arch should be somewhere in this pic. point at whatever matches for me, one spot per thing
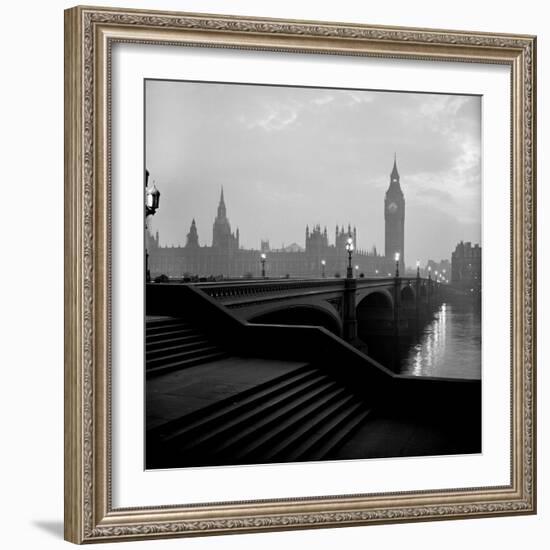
(301, 314)
(374, 298)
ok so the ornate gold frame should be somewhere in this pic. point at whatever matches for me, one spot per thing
(89, 34)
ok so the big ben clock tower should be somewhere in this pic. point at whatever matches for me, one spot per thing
(394, 216)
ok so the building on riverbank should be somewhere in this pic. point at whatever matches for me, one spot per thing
(318, 258)
(466, 266)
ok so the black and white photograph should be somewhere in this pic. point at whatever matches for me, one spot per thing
(300, 276)
(313, 274)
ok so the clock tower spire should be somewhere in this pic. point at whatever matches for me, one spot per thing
(394, 216)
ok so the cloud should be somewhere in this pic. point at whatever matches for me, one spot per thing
(277, 118)
(323, 100)
(358, 97)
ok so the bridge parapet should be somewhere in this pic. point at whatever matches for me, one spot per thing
(230, 289)
(237, 290)
(240, 293)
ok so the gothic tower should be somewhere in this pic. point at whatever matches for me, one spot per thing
(221, 232)
(394, 216)
(192, 236)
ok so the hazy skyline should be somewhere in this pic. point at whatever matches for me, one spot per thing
(289, 156)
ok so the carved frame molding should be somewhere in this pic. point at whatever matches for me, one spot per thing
(89, 34)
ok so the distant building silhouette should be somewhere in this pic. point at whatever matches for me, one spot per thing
(226, 258)
(443, 267)
(466, 266)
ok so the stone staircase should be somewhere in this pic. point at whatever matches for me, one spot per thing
(299, 416)
(295, 414)
(174, 344)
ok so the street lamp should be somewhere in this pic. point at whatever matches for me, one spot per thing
(429, 272)
(356, 270)
(152, 198)
(397, 264)
(418, 269)
(262, 259)
(323, 264)
(349, 248)
(376, 272)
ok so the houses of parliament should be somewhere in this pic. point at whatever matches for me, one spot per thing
(225, 258)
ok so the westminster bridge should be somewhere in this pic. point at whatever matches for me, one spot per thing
(372, 314)
(351, 308)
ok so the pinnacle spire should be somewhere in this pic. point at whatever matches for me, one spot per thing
(222, 212)
(192, 236)
(394, 172)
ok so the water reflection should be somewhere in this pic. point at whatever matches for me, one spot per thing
(449, 346)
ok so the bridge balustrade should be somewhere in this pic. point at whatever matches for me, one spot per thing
(245, 288)
(252, 288)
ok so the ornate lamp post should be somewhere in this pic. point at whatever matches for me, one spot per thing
(349, 248)
(323, 265)
(152, 199)
(262, 259)
(429, 285)
(396, 265)
(417, 299)
(350, 286)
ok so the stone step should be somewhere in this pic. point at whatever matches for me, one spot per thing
(153, 328)
(185, 363)
(169, 332)
(182, 355)
(173, 340)
(165, 321)
(170, 351)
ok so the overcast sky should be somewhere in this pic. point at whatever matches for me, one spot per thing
(289, 156)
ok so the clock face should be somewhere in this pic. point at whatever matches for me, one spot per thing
(392, 207)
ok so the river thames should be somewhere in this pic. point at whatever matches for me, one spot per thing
(449, 346)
